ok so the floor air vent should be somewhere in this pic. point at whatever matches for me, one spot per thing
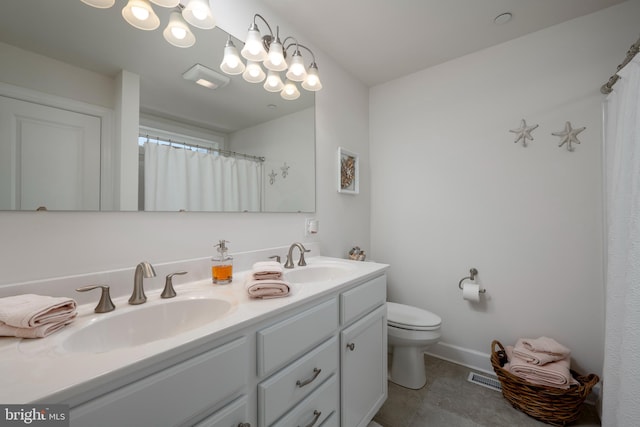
(487, 382)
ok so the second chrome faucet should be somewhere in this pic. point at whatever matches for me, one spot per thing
(143, 270)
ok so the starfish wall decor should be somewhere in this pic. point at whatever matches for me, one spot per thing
(523, 132)
(568, 136)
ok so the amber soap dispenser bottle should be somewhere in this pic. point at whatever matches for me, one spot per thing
(222, 265)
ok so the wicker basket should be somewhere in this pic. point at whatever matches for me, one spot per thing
(551, 405)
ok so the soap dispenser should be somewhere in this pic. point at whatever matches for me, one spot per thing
(222, 265)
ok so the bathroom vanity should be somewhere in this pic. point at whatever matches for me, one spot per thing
(315, 358)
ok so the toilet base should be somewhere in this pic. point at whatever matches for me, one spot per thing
(407, 368)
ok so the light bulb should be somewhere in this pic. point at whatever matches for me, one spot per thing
(140, 13)
(231, 63)
(199, 13)
(179, 33)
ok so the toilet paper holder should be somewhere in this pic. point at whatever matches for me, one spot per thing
(472, 276)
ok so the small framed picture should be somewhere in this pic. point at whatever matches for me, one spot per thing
(349, 175)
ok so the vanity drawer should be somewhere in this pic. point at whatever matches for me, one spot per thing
(232, 415)
(286, 340)
(362, 299)
(171, 396)
(286, 388)
(316, 408)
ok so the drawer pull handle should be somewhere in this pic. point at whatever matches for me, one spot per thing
(316, 415)
(244, 425)
(316, 372)
(351, 346)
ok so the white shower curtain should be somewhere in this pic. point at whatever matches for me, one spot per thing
(180, 179)
(621, 374)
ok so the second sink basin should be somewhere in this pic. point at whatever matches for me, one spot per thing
(144, 324)
(317, 273)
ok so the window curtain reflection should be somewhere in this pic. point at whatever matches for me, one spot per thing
(180, 179)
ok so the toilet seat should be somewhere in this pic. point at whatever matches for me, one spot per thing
(411, 318)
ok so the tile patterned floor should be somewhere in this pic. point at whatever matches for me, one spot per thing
(449, 400)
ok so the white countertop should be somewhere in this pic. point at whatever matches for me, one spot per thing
(34, 370)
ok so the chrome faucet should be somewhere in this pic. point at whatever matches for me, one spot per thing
(301, 262)
(144, 269)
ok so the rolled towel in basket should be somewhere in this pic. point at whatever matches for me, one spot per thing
(267, 288)
(553, 374)
(267, 270)
(30, 311)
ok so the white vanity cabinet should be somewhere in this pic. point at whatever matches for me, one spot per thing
(363, 357)
(173, 396)
(322, 363)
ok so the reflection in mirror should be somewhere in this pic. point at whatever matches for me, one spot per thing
(73, 101)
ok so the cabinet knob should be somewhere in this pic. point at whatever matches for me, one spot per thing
(316, 372)
(351, 346)
(316, 415)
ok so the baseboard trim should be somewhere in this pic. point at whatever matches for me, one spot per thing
(462, 356)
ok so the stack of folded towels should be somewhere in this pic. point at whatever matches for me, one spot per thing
(35, 316)
(541, 361)
(265, 281)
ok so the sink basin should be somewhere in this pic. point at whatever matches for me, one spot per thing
(144, 324)
(317, 273)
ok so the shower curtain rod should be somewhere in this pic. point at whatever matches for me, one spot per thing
(158, 140)
(633, 50)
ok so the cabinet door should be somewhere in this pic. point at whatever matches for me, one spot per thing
(364, 368)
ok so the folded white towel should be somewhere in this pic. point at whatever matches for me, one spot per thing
(267, 288)
(267, 270)
(36, 332)
(525, 352)
(553, 374)
(30, 311)
(545, 345)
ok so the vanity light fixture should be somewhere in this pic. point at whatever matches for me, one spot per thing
(271, 53)
(231, 63)
(178, 32)
(140, 14)
(100, 4)
(205, 77)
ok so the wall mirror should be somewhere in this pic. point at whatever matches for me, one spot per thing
(240, 117)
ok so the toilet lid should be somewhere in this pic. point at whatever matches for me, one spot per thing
(409, 317)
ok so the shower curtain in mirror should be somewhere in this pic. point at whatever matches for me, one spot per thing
(181, 179)
(621, 374)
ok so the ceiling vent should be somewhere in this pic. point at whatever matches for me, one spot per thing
(206, 77)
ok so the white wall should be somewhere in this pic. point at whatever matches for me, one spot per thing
(283, 140)
(452, 191)
(38, 245)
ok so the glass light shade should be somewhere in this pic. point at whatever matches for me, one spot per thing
(198, 13)
(166, 3)
(275, 59)
(231, 63)
(178, 32)
(290, 91)
(100, 4)
(253, 49)
(253, 72)
(297, 71)
(140, 14)
(312, 82)
(273, 83)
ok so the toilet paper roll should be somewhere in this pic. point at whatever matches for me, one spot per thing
(471, 292)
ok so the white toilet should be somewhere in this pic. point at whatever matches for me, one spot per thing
(410, 331)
